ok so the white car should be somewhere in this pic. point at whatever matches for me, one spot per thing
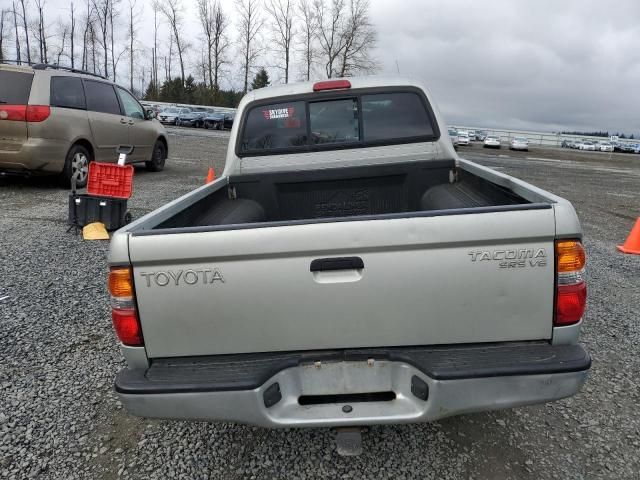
(606, 147)
(491, 141)
(463, 138)
(171, 114)
(519, 143)
(453, 135)
(472, 135)
(586, 145)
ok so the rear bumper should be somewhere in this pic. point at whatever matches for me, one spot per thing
(426, 384)
(35, 155)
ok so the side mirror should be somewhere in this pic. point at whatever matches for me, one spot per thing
(150, 114)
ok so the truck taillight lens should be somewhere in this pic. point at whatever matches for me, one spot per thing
(123, 307)
(571, 290)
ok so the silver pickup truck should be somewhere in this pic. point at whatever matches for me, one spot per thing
(348, 269)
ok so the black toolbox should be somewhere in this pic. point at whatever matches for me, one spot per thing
(85, 209)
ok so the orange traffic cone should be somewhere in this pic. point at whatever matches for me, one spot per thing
(211, 175)
(632, 244)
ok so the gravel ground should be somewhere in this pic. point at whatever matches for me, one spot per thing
(59, 418)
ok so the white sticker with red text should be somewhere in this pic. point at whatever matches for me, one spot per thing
(275, 113)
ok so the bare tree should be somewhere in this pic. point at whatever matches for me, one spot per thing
(358, 38)
(330, 33)
(113, 13)
(281, 13)
(41, 32)
(3, 33)
(93, 39)
(63, 34)
(220, 47)
(309, 34)
(249, 24)
(167, 60)
(154, 69)
(172, 10)
(15, 24)
(26, 30)
(73, 34)
(205, 15)
(85, 38)
(346, 37)
(101, 9)
(133, 20)
(214, 25)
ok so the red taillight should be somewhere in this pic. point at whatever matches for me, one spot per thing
(16, 113)
(571, 290)
(123, 307)
(570, 303)
(127, 327)
(331, 85)
(37, 113)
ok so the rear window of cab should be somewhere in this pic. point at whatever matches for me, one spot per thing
(348, 121)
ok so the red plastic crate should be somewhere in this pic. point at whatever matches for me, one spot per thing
(110, 180)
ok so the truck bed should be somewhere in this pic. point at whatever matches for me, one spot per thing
(411, 187)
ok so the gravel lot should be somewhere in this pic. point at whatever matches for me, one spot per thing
(59, 418)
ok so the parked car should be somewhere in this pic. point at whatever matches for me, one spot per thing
(169, 116)
(219, 120)
(605, 147)
(193, 118)
(472, 135)
(491, 141)
(261, 298)
(586, 145)
(627, 148)
(519, 143)
(566, 143)
(453, 135)
(481, 135)
(463, 137)
(55, 121)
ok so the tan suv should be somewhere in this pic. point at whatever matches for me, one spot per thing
(56, 121)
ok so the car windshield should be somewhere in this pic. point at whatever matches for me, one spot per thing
(452, 132)
(170, 110)
(520, 139)
(491, 137)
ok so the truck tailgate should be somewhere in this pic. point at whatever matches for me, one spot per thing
(479, 277)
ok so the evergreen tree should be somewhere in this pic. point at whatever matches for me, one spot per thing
(260, 80)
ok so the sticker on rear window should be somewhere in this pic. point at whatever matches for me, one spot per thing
(276, 113)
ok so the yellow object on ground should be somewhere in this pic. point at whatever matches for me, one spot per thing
(95, 231)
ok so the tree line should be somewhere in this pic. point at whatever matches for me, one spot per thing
(235, 46)
(600, 134)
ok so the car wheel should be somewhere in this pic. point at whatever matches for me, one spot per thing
(76, 164)
(219, 126)
(156, 164)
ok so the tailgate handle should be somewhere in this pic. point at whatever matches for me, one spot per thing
(337, 263)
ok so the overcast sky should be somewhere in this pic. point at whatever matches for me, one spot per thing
(535, 64)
